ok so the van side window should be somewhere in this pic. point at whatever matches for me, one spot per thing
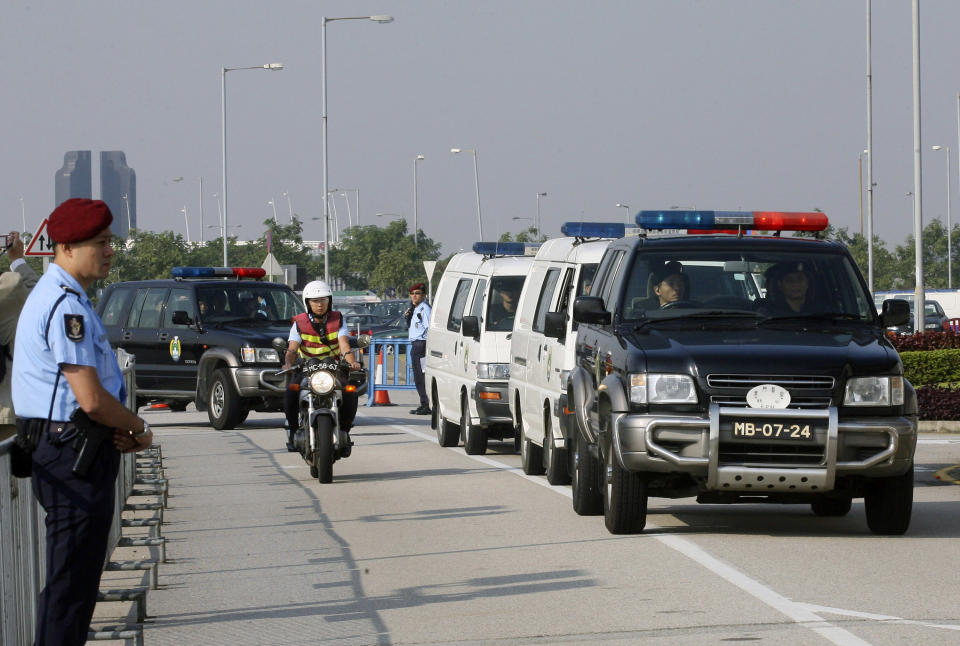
(179, 300)
(113, 310)
(476, 308)
(546, 297)
(459, 302)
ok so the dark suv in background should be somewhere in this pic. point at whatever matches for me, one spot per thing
(205, 341)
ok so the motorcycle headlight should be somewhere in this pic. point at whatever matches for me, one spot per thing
(874, 391)
(322, 382)
(654, 388)
(259, 355)
(493, 371)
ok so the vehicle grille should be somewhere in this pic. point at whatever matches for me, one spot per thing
(768, 455)
(806, 391)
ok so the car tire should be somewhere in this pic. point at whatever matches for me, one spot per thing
(448, 433)
(177, 405)
(831, 507)
(323, 456)
(587, 498)
(889, 503)
(531, 455)
(554, 459)
(474, 437)
(225, 408)
(624, 498)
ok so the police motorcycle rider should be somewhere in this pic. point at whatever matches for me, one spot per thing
(321, 333)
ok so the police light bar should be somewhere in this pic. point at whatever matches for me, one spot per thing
(218, 272)
(593, 229)
(727, 220)
(506, 248)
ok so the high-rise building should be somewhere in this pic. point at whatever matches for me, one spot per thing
(118, 188)
(73, 179)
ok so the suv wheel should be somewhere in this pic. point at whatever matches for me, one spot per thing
(624, 498)
(531, 455)
(889, 503)
(474, 437)
(224, 410)
(834, 507)
(554, 459)
(587, 499)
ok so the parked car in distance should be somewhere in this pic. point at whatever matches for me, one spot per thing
(935, 319)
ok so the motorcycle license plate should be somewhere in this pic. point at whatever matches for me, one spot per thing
(328, 365)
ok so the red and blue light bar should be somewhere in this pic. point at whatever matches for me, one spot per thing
(733, 220)
(593, 229)
(505, 248)
(218, 272)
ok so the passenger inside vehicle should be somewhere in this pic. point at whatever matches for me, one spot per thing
(788, 288)
(503, 302)
(665, 285)
(212, 303)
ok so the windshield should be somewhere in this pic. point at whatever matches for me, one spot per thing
(754, 283)
(502, 306)
(234, 302)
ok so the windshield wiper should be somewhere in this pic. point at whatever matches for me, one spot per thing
(698, 314)
(814, 316)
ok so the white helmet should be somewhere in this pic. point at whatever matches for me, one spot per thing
(316, 289)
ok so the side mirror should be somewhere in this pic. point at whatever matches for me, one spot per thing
(363, 340)
(180, 317)
(280, 345)
(555, 325)
(895, 312)
(470, 326)
(589, 309)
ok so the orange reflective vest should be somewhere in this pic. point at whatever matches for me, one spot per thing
(312, 345)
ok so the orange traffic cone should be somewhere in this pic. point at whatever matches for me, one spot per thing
(381, 397)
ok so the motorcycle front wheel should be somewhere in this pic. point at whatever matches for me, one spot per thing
(323, 456)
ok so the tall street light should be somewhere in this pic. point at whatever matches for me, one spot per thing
(539, 195)
(23, 214)
(476, 181)
(126, 203)
(949, 224)
(180, 179)
(626, 216)
(286, 194)
(186, 222)
(416, 159)
(274, 207)
(323, 76)
(273, 67)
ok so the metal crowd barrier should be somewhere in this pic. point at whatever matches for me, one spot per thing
(385, 372)
(23, 535)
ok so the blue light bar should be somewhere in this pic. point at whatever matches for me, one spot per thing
(500, 248)
(593, 229)
(713, 220)
(201, 272)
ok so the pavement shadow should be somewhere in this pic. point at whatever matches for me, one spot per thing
(407, 475)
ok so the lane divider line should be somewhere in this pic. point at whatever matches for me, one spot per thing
(800, 613)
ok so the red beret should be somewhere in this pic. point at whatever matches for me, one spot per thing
(78, 219)
(418, 286)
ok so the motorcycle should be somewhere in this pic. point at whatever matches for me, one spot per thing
(319, 438)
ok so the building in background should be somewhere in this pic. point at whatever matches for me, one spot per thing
(118, 188)
(73, 179)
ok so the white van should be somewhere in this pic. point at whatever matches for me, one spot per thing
(562, 270)
(468, 344)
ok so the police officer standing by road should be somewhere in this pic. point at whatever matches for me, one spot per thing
(418, 319)
(68, 392)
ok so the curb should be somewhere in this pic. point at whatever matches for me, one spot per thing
(938, 426)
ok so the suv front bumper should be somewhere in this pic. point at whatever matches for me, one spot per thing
(252, 381)
(704, 447)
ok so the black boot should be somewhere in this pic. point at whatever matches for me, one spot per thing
(291, 448)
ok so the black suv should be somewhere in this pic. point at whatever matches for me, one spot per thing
(731, 395)
(205, 341)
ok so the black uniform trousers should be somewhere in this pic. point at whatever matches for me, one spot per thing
(79, 515)
(418, 350)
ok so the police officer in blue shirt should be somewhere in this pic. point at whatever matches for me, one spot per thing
(67, 393)
(418, 319)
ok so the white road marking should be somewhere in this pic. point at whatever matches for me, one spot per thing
(800, 613)
(884, 618)
(936, 441)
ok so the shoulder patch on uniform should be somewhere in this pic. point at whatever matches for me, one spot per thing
(73, 323)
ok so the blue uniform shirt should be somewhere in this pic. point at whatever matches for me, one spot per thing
(420, 322)
(76, 337)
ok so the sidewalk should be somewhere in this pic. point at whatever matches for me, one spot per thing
(253, 559)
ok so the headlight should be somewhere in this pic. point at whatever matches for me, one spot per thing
(653, 388)
(322, 382)
(874, 391)
(259, 355)
(493, 371)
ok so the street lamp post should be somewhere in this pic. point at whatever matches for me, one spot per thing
(286, 194)
(323, 117)
(539, 195)
(186, 222)
(126, 203)
(273, 67)
(23, 215)
(180, 179)
(416, 159)
(476, 182)
(626, 208)
(949, 224)
(274, 207)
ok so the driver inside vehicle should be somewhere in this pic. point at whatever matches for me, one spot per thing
(667, 284)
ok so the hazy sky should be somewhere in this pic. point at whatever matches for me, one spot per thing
(719, 104)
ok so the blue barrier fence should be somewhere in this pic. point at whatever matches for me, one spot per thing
(389, 375)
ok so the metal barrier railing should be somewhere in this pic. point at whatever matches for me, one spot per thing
(385, 369)
(23, 536)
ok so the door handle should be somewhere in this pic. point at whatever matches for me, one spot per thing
(127, 336)
(539, 350)
(164, 336)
